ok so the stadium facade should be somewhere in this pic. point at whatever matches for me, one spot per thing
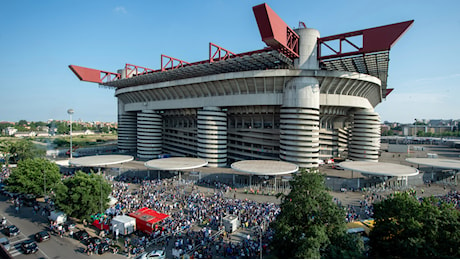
(301, 99)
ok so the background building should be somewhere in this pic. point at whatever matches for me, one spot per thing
(298, 100)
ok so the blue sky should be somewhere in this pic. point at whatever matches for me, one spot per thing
(39, 39)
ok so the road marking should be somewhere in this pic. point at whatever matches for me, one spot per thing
(19, 241)
(43, 253)
(14, 251)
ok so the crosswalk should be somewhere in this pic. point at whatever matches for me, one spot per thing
(15, 250)
(15, 245)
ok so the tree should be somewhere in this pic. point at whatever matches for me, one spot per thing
(408, 228)
(81, 195)
(22, 122)
(16, 150)
(310, 225)
(33, 176)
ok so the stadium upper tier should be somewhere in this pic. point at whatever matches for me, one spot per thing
(299, 99)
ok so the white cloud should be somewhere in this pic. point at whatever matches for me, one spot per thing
(120, 10)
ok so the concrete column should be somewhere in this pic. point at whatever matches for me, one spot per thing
(127, 131)
(212, 136)
(308, 54)
(365, 136)
(299, 119)
(149, 134)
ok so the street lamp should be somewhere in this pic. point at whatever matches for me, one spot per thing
(70, 112)
(44, 184)
(260, 242)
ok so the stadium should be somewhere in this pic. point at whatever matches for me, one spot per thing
(302, 99)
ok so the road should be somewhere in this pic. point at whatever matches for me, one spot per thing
(29, 224)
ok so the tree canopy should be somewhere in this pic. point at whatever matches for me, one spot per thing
(19, 149)
(33, 176)
(81, 195)
(310, 224)
(408, 228)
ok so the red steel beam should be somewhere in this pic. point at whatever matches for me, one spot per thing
(170, 63)
(136, 70)
(221, 53)
(94, 75)
(275, 32)
(388, 91)
(375, 39)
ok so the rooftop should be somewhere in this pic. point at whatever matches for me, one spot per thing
(265, 167)
(380, 168)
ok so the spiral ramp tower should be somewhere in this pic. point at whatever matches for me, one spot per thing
(299, 136)
(149, 134)
(365, 136)
(127, 132)
(212, 136)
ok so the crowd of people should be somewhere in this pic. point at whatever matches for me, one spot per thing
(452, 197)
(195, 216)
(194, 228)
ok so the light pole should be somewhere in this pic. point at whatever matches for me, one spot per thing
(260, 243)
(415, 124)
(70, 112)
(44, 184)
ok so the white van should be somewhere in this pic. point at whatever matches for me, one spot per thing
(58, 216)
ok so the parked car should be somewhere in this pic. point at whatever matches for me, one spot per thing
(102, 248)
(12, 231)
(5, 242)
(42, 236)
(155, 254)
(81, 235)
(29, 247)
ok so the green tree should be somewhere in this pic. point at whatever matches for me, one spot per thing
(20, 149)
(22, 122)
(62, 128)
(408, 228)
(81, 195)
(33, 176)
(310, 224)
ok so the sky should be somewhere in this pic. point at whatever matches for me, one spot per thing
(39, 39)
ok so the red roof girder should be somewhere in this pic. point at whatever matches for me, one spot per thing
(94, 75)
(132, 70)
(219, 53)
(375, 39)
(275, 32)
(171, 63)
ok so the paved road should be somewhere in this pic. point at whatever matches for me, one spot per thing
(29, 224)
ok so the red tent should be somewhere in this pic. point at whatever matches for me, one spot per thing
(146, 218)
(97, 224)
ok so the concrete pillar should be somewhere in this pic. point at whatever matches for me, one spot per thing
(365, 136)
(299, 120)
(127, 130)
(212, 136)
(308, 54)
(149, 134)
